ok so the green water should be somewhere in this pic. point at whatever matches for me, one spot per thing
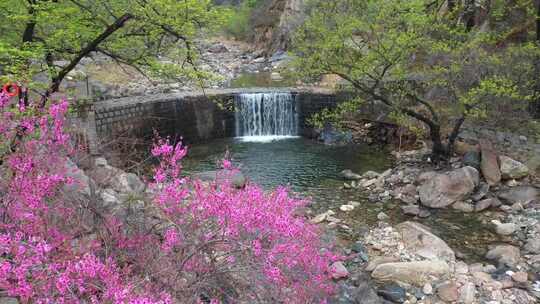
(260, 80)
(312, 170)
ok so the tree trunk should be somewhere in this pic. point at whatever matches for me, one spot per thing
(111, 29)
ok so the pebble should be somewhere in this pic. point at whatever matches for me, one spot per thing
(346, 208)
(427, 289)
(382, 216)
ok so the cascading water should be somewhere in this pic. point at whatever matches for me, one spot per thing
(266, 116)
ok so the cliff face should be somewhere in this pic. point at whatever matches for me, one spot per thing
(274, 22)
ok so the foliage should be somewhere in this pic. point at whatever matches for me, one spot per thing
(154, 36)
(415, 60)
(238, 23)
(192, 242)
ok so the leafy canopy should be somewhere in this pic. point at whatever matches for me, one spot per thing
(416, 58)
(154, 36)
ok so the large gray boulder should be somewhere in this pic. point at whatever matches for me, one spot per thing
(512, 169)
(413, 273)
(439, 190)
(522, 195)
(489, 164)
(507, 255)
(419, 240)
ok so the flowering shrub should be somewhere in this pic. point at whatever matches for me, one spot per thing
(194, 242)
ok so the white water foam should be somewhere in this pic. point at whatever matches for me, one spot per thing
(265, 138)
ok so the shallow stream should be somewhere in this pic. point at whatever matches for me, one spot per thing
(312, 170)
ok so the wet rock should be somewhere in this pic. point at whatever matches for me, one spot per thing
(346, 208)
(472, 159)
(322, 217)
(512, 169)
(438, 190)
(481, 192)
(364, 293)
(238, 180)
(463, 207)
(393, 293)
(504, 228)
(489, 164)
(485, 204)
(522, 195)
(349, 175)
(448, 292)
(338, 271)
(505, 255)
(533, 246)
(418, 239)
(414, 273)
(413, 210)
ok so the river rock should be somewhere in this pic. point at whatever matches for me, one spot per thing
(489, 164)
(522, 195)
(533, 245)
(512, 169)
(463, 207)
(338, 270)
(414, 273)
(438, 190)
(504, 228)
(448, 292)
(393, 293)
(380, 260)
(418, 239)
(346, 208)
(238, 180)
(504, 254)
(472, 159)
(520, 277)
(467, 293)
(363, 293)
(485, 204)
(413, 210)
(480, 192)
(349, 175)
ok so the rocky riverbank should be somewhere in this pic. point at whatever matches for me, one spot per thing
(413, 265)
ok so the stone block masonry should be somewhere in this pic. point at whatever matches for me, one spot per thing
(196, 116)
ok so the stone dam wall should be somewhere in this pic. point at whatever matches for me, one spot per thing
(196, 116)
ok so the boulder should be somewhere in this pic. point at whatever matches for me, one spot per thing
(533, 246)
(81, 182)
(448, 292)
(504, 228)
(487, 203)
(505, 255)
(489, 164)
(238, 180)
(393, 293)
(418, 239)
(349, 175)
(522, 195)
(438, 190)
(412, 210)
(512, 169)
(472, 159)
(338, 271)
(414, 273)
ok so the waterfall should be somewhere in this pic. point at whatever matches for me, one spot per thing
(266, 116)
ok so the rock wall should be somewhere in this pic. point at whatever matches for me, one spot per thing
(197, 117)
(274, 22)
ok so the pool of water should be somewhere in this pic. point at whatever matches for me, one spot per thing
(260, 80)
(312, 169)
